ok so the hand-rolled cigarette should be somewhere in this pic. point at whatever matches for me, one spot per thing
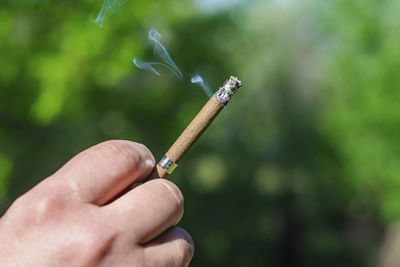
(196, 128)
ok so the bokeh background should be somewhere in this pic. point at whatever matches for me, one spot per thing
(301, 169)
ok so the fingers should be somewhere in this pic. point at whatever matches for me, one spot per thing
(148, 210)
(99, 173)
(173, 248)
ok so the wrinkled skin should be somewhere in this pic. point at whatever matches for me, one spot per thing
(83, 215)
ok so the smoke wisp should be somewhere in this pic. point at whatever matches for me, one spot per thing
(161, 53)
(109, 7)
(200, 81)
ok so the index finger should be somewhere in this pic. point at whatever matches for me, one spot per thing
(101, 172)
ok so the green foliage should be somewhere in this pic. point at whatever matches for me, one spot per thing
(5, 170)
(301, 169)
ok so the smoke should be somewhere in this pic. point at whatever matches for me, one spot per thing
(161, 53)
(109, 7)
(199, 80)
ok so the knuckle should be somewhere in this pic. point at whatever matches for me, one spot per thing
(87, 245)
(35, 210)
(44, 207)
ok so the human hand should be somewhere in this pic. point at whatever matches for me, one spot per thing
(83, 215)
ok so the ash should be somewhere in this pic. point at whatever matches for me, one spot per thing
(225, 93)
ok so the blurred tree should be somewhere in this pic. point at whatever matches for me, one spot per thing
(301, 169)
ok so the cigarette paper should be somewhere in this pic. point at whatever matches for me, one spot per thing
(196, 128)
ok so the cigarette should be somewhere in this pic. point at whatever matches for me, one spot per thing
(196, 128)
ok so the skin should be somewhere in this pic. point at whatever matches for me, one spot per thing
(84, 215)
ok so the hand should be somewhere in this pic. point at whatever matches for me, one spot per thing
(83, 215)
